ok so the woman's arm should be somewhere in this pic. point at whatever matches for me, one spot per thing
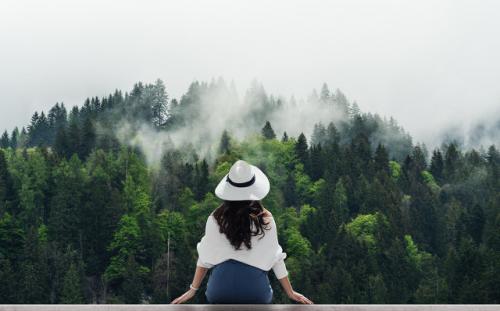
(287, 286)
(199, 274)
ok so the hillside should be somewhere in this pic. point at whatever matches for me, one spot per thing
(91, 198)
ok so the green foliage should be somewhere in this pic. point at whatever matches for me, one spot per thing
(415, 256)
(126, 243)
(395, 169)
(429, 181)
(367, 229)
(11, 236)
(86, 219)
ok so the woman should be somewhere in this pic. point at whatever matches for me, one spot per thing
(241, 244)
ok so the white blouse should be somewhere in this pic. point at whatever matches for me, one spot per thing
(265, 254)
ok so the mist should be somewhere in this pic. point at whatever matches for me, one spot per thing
(431, 65)
(209, 108)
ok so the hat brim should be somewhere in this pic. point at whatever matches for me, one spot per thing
(257, 191)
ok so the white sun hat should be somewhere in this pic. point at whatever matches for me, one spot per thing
(243, 182)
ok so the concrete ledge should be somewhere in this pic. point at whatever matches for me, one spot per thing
(295, 307)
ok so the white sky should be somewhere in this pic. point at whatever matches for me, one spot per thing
(426, 63)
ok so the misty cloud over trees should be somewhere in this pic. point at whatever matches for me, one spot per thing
(104, 203)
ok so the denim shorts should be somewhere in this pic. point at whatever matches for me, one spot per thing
(234, 282)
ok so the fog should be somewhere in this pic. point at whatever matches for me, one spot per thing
(432, 65)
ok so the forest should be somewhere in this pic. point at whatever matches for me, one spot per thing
(105, 202)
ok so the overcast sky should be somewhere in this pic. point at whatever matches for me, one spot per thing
(426, 63)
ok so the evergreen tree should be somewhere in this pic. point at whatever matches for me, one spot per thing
(319, 134)
(8, 202)
(159, 102)
(132, 284)
(201, 180)
(437, 165)
(4, 140)
(73, 137)
(33, 283)
(67, 203)
(301, 151)
(325, 93)
(23, 138)
(8, 283)
(451, 160)
(14, 138)
(419, 159)
(72, 291)
(268, 132)
(381, 159)
(332, 136)
(87, 139)
(225, 143)
(317, 162)
(285, 137)
(61, 144)
(289, 191)
(340, 211)
(32, 129)
(354, 111)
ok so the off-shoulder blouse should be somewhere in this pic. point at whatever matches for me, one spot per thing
(266, 253)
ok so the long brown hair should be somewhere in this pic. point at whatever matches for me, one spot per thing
(235, 219)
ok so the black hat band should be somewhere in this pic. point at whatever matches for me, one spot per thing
(241, 184)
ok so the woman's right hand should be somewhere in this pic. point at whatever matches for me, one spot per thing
(299, 298)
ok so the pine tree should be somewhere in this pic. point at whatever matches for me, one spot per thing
(289, 191)
(332, 136)
(201, 180)
(8, 195)
(437, 165)
(72, 290)
(87, 139)
(74, 137)
(132, 284)
(32, 129)
(419, 158)
(225, 143)
(340, 211)
(285, 137)
(268, 132)
(451, 159)
(61, 144)
(318, 135)
(67, 203)
(8, 283)
(23, 138)
(301, 150)
(159, 103)
(4, 140)
(381, 160)
(325, 93)
(354, 111)
(317, 162)
(33, 274)
(14, 138)
(42, 131)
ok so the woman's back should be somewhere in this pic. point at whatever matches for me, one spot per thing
(265, 252)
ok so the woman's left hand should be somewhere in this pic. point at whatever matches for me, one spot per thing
(185, 297)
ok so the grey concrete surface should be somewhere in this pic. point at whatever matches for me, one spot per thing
(294, 307)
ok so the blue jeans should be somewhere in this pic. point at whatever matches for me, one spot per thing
(234, 282)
